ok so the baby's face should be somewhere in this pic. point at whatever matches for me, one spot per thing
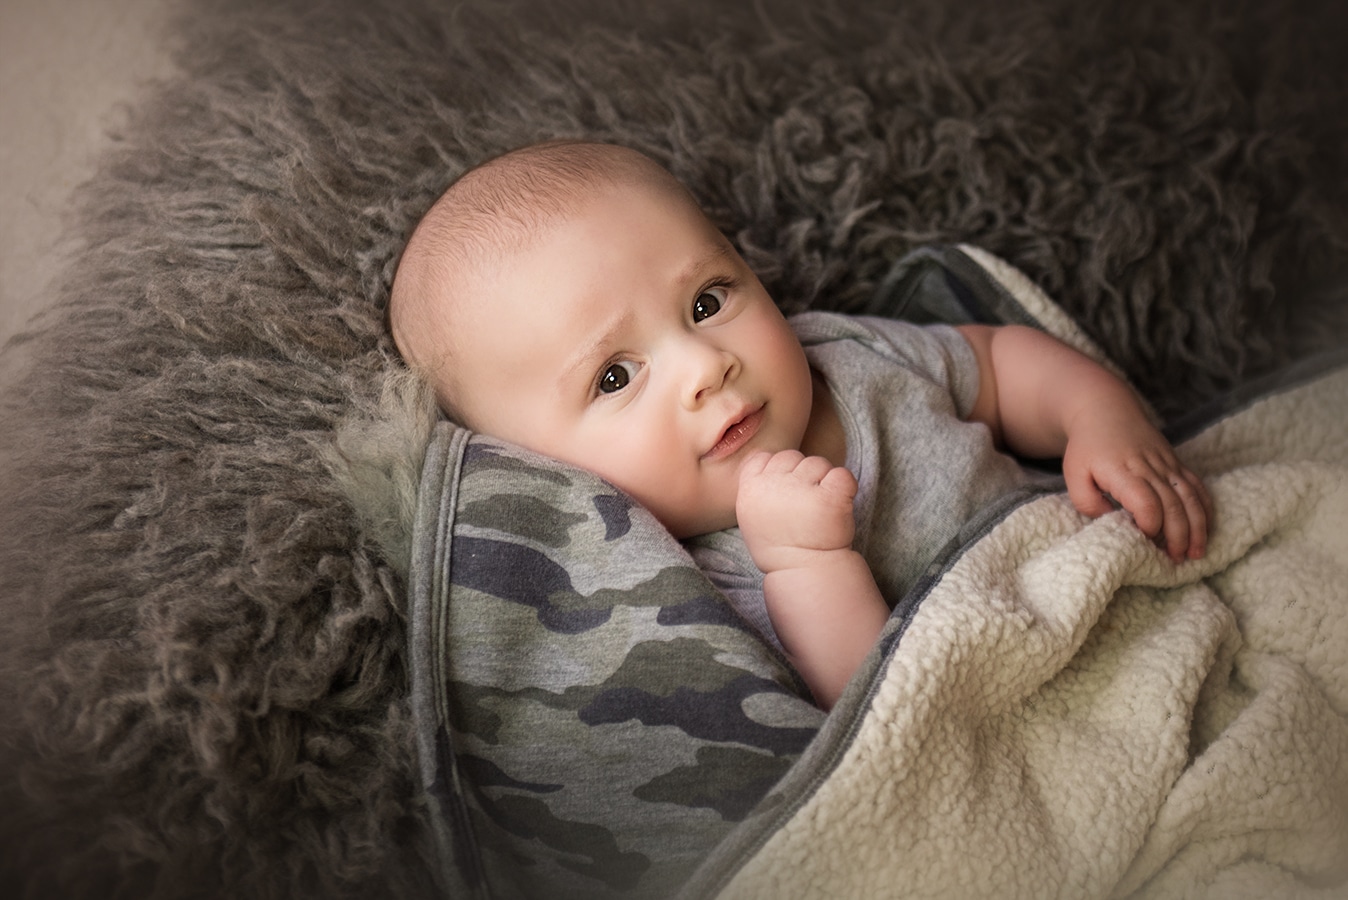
(632, 340)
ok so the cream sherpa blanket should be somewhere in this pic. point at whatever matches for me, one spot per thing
(1068, 714)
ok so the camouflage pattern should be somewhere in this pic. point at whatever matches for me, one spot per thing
(594, 718)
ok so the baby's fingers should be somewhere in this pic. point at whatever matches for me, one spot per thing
(1088, 497)
(1175, 525)
(1141, 496)
(1184, 510)
(841, 482)
(754, 465)
(813, 470)
(784, 462)
(1201, 492)
(1197, 511)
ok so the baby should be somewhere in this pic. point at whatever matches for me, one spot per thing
(572, 298)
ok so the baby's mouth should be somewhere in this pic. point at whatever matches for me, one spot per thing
(736, 435)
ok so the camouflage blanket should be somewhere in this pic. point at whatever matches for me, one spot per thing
(592, 716)
(1056, 711)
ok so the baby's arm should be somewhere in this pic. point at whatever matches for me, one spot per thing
(1043, 399)
(795, 513)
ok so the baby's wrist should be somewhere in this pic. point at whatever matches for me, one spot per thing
(785, 559)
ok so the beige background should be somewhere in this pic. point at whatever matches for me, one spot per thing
(66, 69)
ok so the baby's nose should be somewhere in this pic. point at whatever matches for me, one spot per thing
(711, 368)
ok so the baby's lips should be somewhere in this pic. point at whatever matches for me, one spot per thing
(736, 434)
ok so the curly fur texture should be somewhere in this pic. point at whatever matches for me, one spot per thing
(205, 687)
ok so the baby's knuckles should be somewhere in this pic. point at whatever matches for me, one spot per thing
(780, 513)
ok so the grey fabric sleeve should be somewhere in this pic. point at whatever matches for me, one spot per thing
(939, 353)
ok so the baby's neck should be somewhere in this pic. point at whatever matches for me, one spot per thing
(824, 435)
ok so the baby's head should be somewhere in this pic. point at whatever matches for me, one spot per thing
(572, 298)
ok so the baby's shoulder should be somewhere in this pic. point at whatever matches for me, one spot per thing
(817, 327)
(883, 335)
(855, 348)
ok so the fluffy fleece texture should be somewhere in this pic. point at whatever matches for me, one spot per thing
(1068, 714)
(203, 649)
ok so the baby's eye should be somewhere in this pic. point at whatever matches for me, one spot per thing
(617, 376)
(708, 303)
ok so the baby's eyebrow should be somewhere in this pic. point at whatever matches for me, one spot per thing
(720, 253)
(597, 347)
(592, 351)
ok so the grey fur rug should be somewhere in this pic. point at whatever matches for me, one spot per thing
(203, 650)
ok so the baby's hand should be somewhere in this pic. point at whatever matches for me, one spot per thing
(1129, 460)
(792, 507)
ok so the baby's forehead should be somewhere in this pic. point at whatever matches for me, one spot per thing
(493, 213)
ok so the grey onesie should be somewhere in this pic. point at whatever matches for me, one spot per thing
(901, 391)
